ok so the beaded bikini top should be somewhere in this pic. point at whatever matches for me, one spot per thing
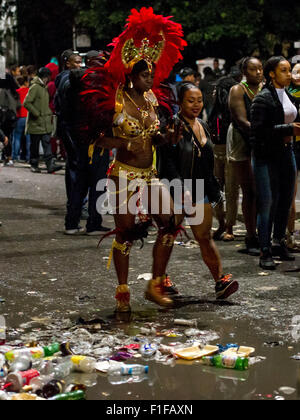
(125, 126)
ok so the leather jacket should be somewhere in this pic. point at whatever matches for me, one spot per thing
(268, 128)
(188, 160)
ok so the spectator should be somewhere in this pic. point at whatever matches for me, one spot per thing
(219, 123)
(15, 72)
(273, 116)
(192, 158)
(31, 72)
(217, 71)
(294, 90)
(207, 86)
(188, 75)
(238, 144)
(3, 141)
(52, 92)
(39, 121)
(21, 122)
(9, 104)
(85, 166)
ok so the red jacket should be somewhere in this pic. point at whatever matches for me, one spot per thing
(22, 112)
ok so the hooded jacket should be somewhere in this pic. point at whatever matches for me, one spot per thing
(51, 85)
(39, 119)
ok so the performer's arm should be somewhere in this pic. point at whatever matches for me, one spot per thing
(111, 142)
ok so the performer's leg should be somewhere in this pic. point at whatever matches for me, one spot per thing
(225, 285)
(121, 251)
(164, 244)
(203, 236)
(123, 223)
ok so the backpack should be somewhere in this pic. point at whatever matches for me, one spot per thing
(220, 118)
(60, 100)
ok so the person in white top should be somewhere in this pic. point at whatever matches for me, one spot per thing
(273, 124)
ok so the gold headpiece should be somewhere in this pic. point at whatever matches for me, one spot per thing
(131, 54)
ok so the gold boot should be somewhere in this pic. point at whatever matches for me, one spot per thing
(123, 298)
(155, 293)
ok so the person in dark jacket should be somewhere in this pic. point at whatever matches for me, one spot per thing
(9, 105)
(193, 159)
(219, 122)
(294, 90)
(274, 116)
(85, 165)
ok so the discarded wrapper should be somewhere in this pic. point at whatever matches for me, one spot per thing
(192, 353)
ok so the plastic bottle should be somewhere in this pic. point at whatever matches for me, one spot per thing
(45, 367)
(81, 381)
(3, 367)
(53, 388)
(21, 363)
(83, 364)
(15, 381)
(4, 396)
(34, 352)
(63, 369)
(227, 362)
(3, 372)
(148, 350)
(123, 370)
(70, 396)
(38, 383)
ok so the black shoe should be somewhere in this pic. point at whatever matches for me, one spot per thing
(52, 167)
(282, 252)
(35, 170)
(266, 261)
(99, 231)
(219, 234)
(226, 287)
(252, 245)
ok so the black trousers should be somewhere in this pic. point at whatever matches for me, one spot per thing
(35, 148)
(82, 177)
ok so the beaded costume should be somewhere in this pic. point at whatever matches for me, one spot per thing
(158, 41)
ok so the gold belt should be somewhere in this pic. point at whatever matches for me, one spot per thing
(121, 170)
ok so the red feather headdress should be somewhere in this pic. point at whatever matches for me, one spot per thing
(153, 38)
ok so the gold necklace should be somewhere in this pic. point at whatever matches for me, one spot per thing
(145, 113)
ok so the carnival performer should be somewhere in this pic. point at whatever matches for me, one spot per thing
(122, 113)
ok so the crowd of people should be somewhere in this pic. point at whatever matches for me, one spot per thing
(235, 131)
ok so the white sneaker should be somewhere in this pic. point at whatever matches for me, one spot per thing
(75, 232)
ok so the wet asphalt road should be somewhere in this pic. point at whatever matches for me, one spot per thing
(46, 275)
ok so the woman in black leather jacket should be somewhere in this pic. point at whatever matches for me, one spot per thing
(193, 159)
(274, 114)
